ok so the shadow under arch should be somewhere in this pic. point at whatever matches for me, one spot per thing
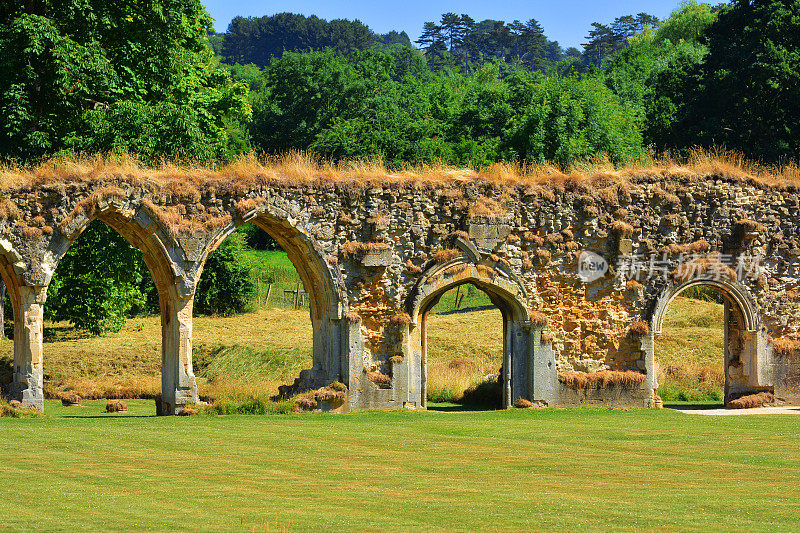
(503, 290)
(741, 344)
(327, 303)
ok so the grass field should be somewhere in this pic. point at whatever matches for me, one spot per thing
(556, 469)
(79, 468)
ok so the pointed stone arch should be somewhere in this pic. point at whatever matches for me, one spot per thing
(166, 263)
(321, 281)
(505, 291)
(747, 360)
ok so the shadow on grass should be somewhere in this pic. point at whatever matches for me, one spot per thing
(467, 310)
(457, 407)
(63, 333)
(694, 406)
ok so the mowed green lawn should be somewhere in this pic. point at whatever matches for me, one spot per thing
(553, 469)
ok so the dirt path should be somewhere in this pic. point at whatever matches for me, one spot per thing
(703, 410)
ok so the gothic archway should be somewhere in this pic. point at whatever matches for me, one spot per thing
(504, 291)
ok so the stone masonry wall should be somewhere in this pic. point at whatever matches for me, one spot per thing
(366, 253)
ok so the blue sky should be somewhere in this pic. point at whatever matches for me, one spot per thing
(566, 21)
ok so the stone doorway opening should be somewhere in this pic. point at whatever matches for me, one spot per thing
(462, 332)
(705, 344)
(497, 294)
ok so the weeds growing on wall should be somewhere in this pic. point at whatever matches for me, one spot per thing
(296, 168)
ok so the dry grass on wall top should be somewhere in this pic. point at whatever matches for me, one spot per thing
(357, 249)
(538, 319)
(295, 168)
(400, 319)
(600, 379)
(379, 377)
(639, 327)
(701, 246)
(444, 255)
(335, 393)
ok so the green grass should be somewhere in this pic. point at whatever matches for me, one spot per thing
(556, 470)
(272, 268)
(689, 352)
(469, 297)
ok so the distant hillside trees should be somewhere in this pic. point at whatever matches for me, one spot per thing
(460, 41)
(258, 39)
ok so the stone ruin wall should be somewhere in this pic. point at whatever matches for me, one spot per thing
(374, 244)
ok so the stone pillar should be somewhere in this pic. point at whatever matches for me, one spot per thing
(27, 385)
(353, 345)
(648, 346)
(520, 337)
(542, 369)
(505, 377)
(178, 385)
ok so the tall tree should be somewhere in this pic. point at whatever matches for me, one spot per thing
(604, 41)
(752, 79)
(394, 37)
(432, 40)
(450, 25)
(257, 40)
(530, 46)
(600, 45)
(97, 75)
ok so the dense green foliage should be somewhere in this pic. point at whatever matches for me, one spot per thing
(388, 104)
(569, 120)
(99, 282)
(99, 75)
(727, 77)
(751, 80)
(225, 286)
(645, 71)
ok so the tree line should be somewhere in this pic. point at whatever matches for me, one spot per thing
(156, 81)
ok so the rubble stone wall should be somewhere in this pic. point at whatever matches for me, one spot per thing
(375, 258)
